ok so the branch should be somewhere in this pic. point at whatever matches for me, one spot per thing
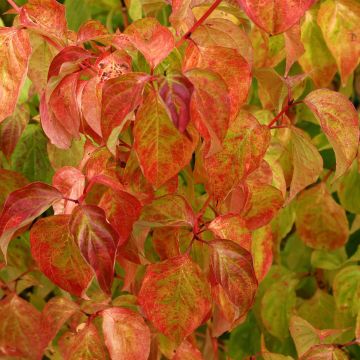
(14, 6)
(198, 23)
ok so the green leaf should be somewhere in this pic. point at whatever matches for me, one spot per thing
(77, 12)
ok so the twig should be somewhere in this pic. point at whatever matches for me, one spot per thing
(14, 6)
(124, 14)
(290, 104)
(326, 177)
(198, 23)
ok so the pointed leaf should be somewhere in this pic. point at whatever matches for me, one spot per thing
(21, 335)
(209, 107)
(168, 210)
(187, 351)
(126, 334)
(14, 59)
(317, 60)
(87, 345)
(58, 256)
(23, 206)
(320, 221)
(338, 20)
(243, 150)
(232, 227)
(232, 268)
(307, 162)
(325, 352)
(275, 16)
(293, 46)
(152, 39)
(121, 96)
(91, 30)
(175, 297)
(339, 121)
(97, 241)
(162, 150)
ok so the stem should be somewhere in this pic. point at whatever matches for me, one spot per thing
(73, 200)
(290, 104)
(326, 177)
(14, 6)
(278, 127)
(198, 23)
(124, 14)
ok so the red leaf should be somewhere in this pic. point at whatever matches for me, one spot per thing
(22, 207)
(11, 129)
(152, 39)
(126, 334)
(275, 16)
(58, 256)
(187, 351)
(232, 268)
(86, 345)
(122, 210)
(91, 30)
(162, 150)
(71, 183)
(97, 241)
(120, 97)
(45, 16)
(176, 92)
(14, 61)
(21, 335)
(229, 64)
(209, 107)
(55, 314)
(175, 297)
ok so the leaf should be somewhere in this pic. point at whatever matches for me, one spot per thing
(232, 267)
(22, 206)
(152, 39)
(187, 351)
(338, 20)
(176, 91)
(168, 210)
(126, 334)
(244, 147)
(293, 46)
(325, 352)
(209, 107)
(275, 16)
(91, 30)
(339, 121)
(14, 61)
(20, 330)
(262, 251)
(58, 256)
(87, 345)
(30, 155)
(77, 12)
(317, 60)
(307, 162)
(122, 210)
(232, 227)
(9, 182)
(320, 222)
(97, 241)
(166, 242)
(71, 183)
(56, 313)
(45, 16)
(304, 335)
(12, 128)
(348, 190)
(175, 297)
(162, 150)
(346, 289)
(116, 94)
(226, 62)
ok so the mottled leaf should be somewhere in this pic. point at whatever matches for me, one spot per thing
(97, 241)
(22, 206)
(175, 297)
(14, 59)
(162, 150)
(325, 352)
(9, 182)
(338, 20)
(58, 256)
(348, 190)
(320, 221)
(339, 121)
(126, 334)
(275, 16)
(187, 351)
(232, 267)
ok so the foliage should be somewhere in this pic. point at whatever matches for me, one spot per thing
(179, 179)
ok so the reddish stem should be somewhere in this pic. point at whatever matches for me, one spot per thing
(14, 6)
(326, 177)
(198, 23)
(72, 200)
(282, 112)
(278, 127)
